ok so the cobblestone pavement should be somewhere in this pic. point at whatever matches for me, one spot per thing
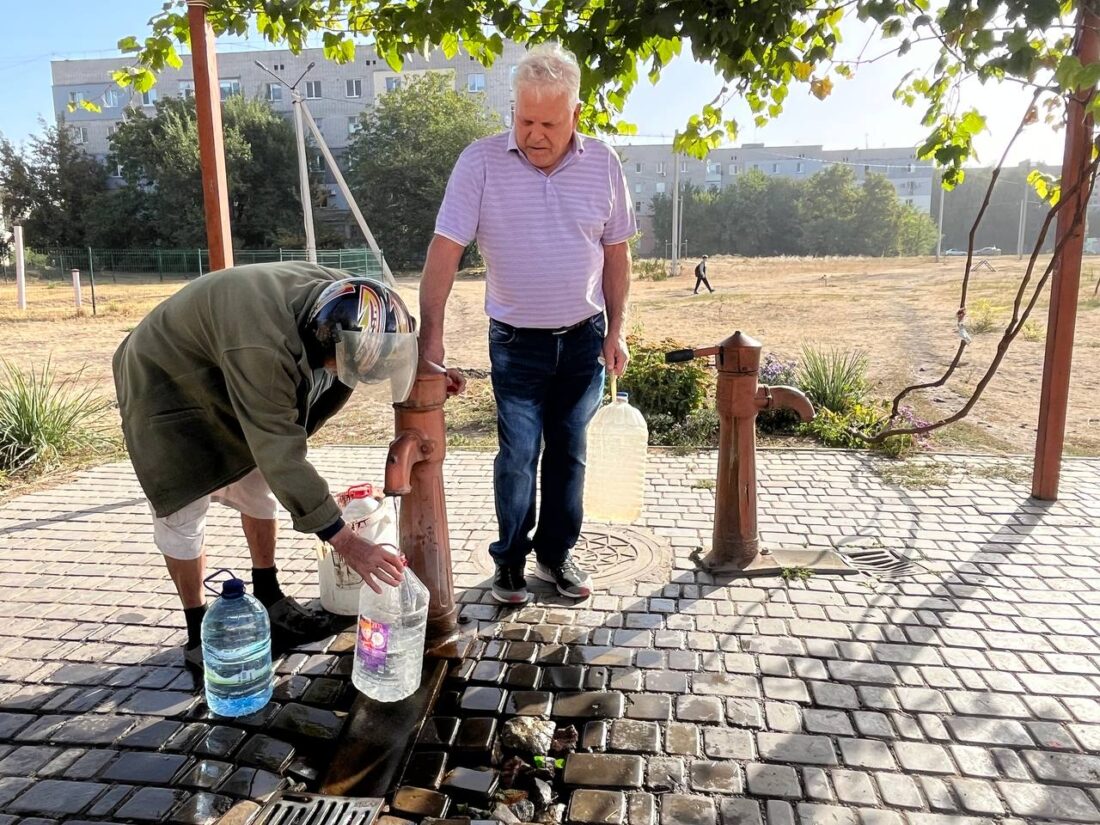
(963, 693)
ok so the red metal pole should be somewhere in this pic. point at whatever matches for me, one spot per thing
(208, 110)
(1065, 285)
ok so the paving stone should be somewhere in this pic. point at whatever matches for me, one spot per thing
(810, 814)
(728, 743)
(251, 783)
(202, 809)
(744, 713)
(922, 700)
(425, 769)
(151, 804)
(937, 793)
(151, 734)
(830, 695)
(11, 787)
(783, 717)
(325, 691)
(567, 677)
(977, 797)
(835, 722)
(290, 688)
(634, 736)
(244, 812)
(666, 681)
(220, 742)
(472, 785)
(678, 809)
(109, 800)
(27, 759)
(589, 705)
(478, 699)
(60, 763)
(923, 758)
(528, 703)
(974, 731)
(489, 671)
(861, 673)
(187, 738)
(1066, 768)
(786, 747)
(982, 703)
(305, 724)
(682, 739)
(158, 703)
(597, 807)
(973, 761)
(899, 790)
(523, 677)
(779, 813)
(420, 802)
(816, 783)
(854, 787)
(706, 709)
(594, 736)
(866, 753)
(739, 812)
(604, 770)
(1048, 802)
(715, 777)
(721, 684)
(786, 690)
(476, 734)
(91, 764)
(145, 768)
(57, 798)
(205, 774)
(1010, 764)
(773, 780)
(651, 706)
(665, 774)
(641, 809)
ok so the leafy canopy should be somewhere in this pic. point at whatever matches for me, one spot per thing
(762, 49)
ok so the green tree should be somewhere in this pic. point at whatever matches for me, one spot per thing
(828, 207)
(402, 154)
(159, 156)
(916, 232)
(782, 218)
(50, 186)
(877, 217)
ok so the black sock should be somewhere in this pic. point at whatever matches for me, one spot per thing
(194, 615)
(265, 585)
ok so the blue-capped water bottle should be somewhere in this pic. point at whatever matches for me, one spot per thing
(236, 651)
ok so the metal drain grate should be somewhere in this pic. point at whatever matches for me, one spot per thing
(312, 809)
(882, 563)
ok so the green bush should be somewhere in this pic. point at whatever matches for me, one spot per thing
(982, 317)
(700, 429)
(657, 388)
(44, 420)
(650, 269)
(832, 379)
(852, 427)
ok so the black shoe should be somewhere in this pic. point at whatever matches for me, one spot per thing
(292, 624)
(570, 580)
(509, 586)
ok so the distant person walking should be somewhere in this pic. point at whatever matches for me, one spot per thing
(701, 276)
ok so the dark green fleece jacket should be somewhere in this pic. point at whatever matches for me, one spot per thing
(215, 381)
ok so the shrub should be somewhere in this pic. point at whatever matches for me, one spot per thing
(700, 429)
(650, 269)
(852, 427)
(44, 420)
(1032, 331)
(657, 388)
(981, 318)
(833, 380)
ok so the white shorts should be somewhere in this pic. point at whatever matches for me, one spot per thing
(179, 535)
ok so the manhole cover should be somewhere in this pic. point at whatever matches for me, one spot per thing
(882, 563)
(612, 555)
(311, 809)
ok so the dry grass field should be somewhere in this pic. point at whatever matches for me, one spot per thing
(900, 312)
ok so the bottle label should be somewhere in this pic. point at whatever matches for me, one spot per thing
(373, 643)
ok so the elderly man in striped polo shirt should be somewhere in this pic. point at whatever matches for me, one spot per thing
(550, 211)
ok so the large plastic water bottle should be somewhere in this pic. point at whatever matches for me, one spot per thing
(370, 518)
(236, 652)
(389, 648)
(614, 478)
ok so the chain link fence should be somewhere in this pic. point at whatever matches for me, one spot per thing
(143, 265)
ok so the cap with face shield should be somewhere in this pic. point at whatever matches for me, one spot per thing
(367, 329)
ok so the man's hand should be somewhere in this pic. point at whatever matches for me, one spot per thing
(615, 353)
(369, 560)
(456, 381)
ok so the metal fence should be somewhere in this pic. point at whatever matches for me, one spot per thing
(174, 264)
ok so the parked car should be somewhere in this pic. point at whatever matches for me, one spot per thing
(988, 250)
(955, 252)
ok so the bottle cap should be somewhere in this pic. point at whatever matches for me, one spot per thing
(360, 491)
(622, 396)
(232, 588)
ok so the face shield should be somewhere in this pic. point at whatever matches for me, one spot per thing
(373, 357)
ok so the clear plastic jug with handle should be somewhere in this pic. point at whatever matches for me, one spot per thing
(372, 518)
(614, 478)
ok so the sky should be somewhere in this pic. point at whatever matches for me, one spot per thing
(859, 113)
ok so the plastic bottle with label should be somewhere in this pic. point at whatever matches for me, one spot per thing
(614, 478)
(389, 646)
(236, 651)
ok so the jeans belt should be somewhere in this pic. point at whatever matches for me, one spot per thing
(571, 327)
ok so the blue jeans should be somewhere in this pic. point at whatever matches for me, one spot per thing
(547, 388)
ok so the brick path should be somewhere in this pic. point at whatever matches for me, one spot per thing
(966, 694)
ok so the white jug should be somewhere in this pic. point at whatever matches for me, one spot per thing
(614, 478)
(373, 519)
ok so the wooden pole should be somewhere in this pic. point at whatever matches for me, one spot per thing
(1065, 284)
(208, 110)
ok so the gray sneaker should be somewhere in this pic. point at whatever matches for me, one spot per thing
(192, 659)
(570, 580)
(509, 586)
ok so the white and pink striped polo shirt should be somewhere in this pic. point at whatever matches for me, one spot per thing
(542, 236)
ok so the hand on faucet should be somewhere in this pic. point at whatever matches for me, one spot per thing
(371, 561)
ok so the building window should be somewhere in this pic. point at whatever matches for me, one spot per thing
(475, 82)
(118, 170)
(148, 98)
(278, 67)
(908, 201)
(714, 168)
(660, 167)
(683, 166)
(187, 88)
(80, 135)
(637, 206)
(313, 89)
(393, 84)
(866, 169)
(353, 125)
(660, 187)
(637, 167)
(775, 168)
(110, 99)
(316, 161)
(638, 188)
(909, 168)
(733, 168)
(274, 93)
(228, 88)
(798, 167)
(76, 98)
(353, 87)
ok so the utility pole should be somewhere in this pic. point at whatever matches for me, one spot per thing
(939, 237)
(303, 166)
(675, 213)
(1023, 224)
(208, 116)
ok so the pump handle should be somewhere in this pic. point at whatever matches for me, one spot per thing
(679, 355)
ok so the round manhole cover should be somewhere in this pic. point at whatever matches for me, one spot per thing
(613, 555)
